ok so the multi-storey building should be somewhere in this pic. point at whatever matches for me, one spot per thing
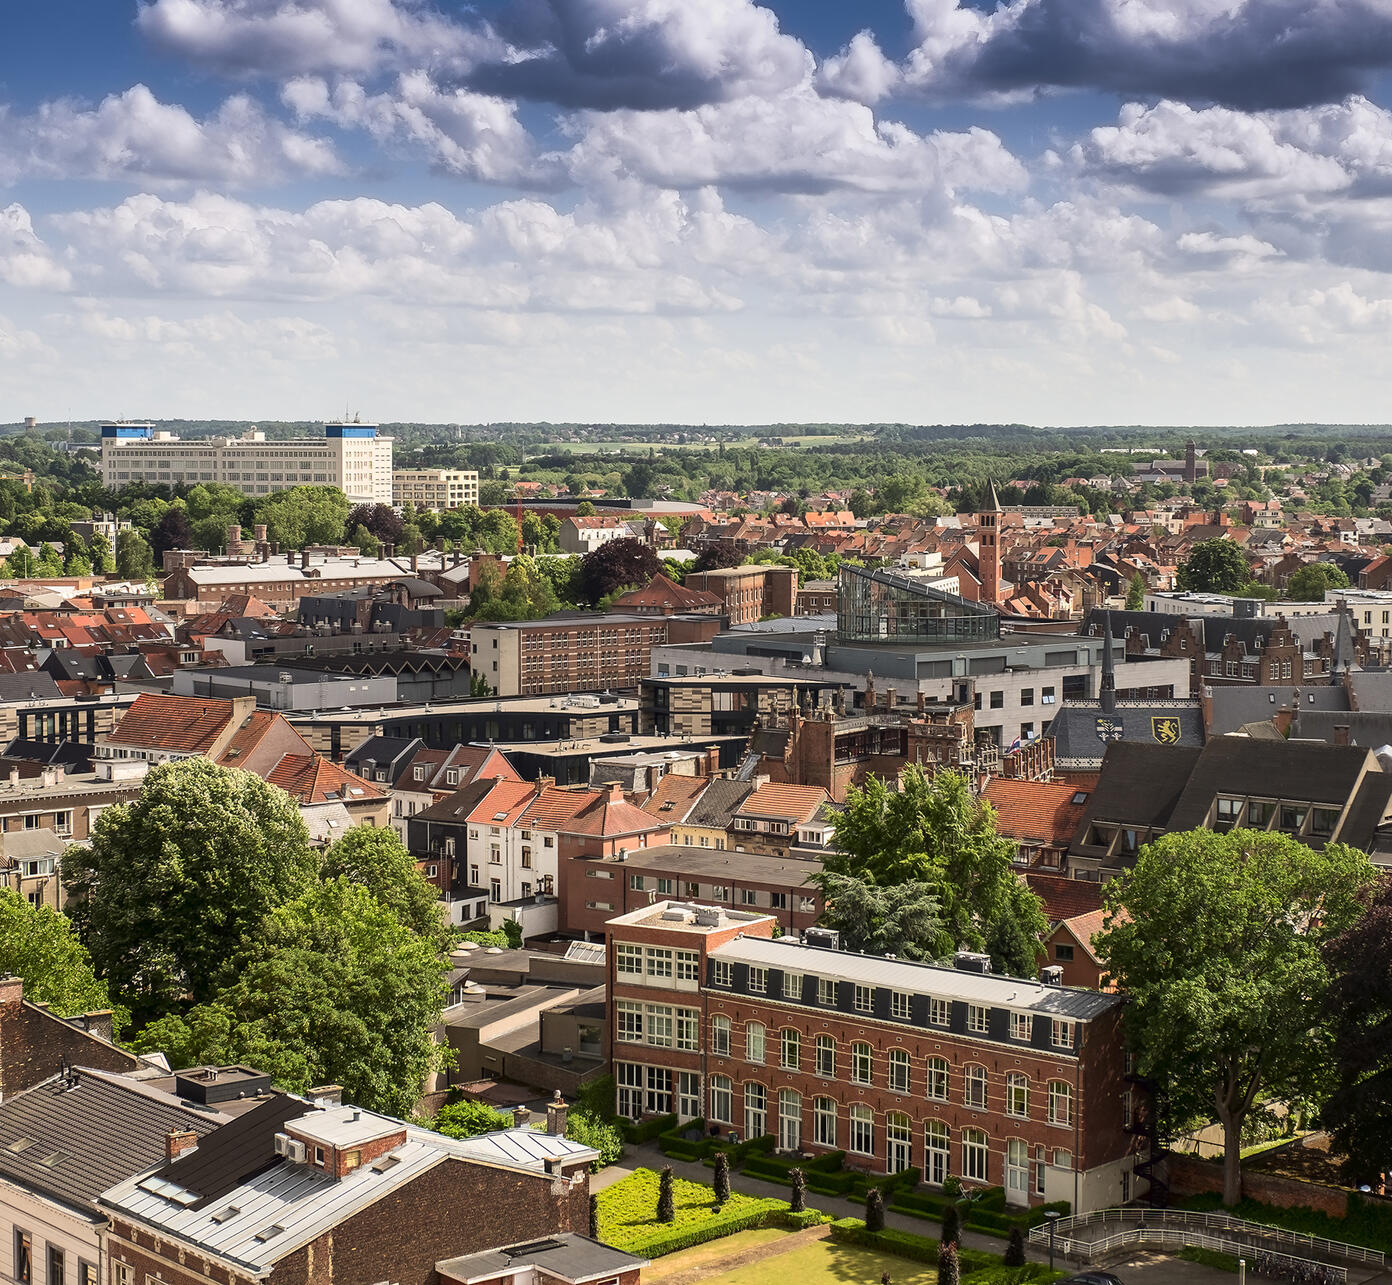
(749, 593)
(349, 456)
(999, 1081)
(435, 488)
(576, 651)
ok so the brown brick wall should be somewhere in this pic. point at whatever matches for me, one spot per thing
(1191, 1177)
(35, 1045)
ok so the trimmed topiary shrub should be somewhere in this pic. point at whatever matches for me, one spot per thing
(722, 1177)
(874, 1210)
(1015, 1250)
(666, 1201)
(949, 1269)
(952, 1226)
(798, 1201)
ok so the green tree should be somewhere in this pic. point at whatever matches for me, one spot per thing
(40, 946)
(932, 830)
(364, 541)
(135, 560)
(1218, 939)
(1308, 583)
(330, 988)
(172, 882)
(1135, 593)
(584, 509)
(22, 564)
(304, 515)
(1358, 1110)
(666, 1197)
(884, 919)
(468, 1118)
(375, 857)
(874, 1210)
(797, 1202)
(99, 551)
(722, 1177)
(1214, 566)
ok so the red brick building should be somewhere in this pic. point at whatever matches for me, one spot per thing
(749, 593)
(1000, 1081)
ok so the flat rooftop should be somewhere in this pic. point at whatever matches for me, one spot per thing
(722, 864)
(689, 917)
(598, 745)
(579, 706)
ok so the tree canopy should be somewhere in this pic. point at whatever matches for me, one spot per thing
(932, 831)
(40, 946)
(1358, 1110)
(1218, 940)
(1214, 566)
(331, 988)
(1309, 583)
(619, 564)
(375, 858)
(173, 881)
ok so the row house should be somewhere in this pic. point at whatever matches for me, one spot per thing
(998, 1081)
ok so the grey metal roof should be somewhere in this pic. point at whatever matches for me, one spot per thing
(919, 979)
(1231, 707)
(1074, 727)
(564, 1255)
(86, 1135)
(724, 865)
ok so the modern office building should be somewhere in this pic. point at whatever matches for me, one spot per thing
(351, 457)
(435, 488)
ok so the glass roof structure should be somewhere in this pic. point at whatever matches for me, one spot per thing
(887, 606)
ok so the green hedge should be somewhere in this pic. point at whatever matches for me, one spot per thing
(647, 1130)
(669, 1240)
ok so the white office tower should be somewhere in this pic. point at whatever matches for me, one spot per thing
(349, 456)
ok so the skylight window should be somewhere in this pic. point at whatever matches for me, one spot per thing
(226, 1215)
(269, 1233)
(18, 1145)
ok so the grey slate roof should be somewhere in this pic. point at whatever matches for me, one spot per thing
(1231, 707)
(564, 1255)
(85, 1137)
(716, 806)
(1074, 727)
(29, 686)
(1368, 728)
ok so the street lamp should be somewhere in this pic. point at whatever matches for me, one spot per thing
(1053, 1216)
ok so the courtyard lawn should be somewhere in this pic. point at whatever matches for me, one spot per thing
(713, 1251)
(824, 1262)
(628, 1214)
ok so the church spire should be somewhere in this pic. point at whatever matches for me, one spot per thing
(1108, 692)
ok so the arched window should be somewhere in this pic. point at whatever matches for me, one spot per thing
(755, 1110)
(898, 1142)
(974, 1087)
(862, 1129)
(791, 1048)
(1060, 1102)
(938, 1079)
(976, 1151)
(789, 1120)
(826, 1056)
(721, 1104)
(899, 1071)
(937, 1152)
(720, 1035)
(754, 1042)
(1017, 1094)
(862, 1064)
(824, 1122)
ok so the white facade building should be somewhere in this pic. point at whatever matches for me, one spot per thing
(436, 488)
(349, 456)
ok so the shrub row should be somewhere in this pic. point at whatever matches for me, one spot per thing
(648, 1129)
(668, 1240)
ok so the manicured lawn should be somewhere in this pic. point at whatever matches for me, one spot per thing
(628, 1209)
(699, 1255)
(822, 1262)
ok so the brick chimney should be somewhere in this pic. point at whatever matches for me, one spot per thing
(178, 1141)
(556, 1113)
(1341, 733)
(11, 991)
(327, 1095)
(521, 1117)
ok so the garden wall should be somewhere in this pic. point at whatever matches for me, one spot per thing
(1192, 1177)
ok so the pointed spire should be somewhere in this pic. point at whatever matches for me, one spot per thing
(1345, 654)
(1108, 693)
(992, 499)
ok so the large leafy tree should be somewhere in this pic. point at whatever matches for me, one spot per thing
(1218, 940)
(135, 560)
(376, 859)
(172, 882)
(331, 987)
(304, 515)
(1214, 566)
(39, 945)
(1309, 583)
(620, 564)
(897, 919)
(934, 831)
(1358, 1110)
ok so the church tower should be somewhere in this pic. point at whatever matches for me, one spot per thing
(988, 548)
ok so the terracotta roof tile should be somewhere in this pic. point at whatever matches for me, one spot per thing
(674, 797)
(1064, 898)
(503, 804)
(793, 802)
(1037, 811)
(310, 778)
(182, 724)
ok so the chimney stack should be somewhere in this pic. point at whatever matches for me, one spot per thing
(11, 990)
(178, 1141)
(556, 1113)
(521, 1117)
(327, 1095)
(1341, 733)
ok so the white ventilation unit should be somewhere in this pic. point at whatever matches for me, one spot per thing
(290, 1148)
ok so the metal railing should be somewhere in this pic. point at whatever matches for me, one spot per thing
(1182, 1222)
(1265, 1261)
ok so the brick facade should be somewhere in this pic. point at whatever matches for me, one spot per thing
(35, 1044)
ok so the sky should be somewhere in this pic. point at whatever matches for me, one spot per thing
(697, 211)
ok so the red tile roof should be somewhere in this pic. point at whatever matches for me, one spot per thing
(310, 778)
(793, 802)
(609, 815)
(1064, 898)
(1036, 811)
(674, 797)
(503, 804)
(181, 724)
